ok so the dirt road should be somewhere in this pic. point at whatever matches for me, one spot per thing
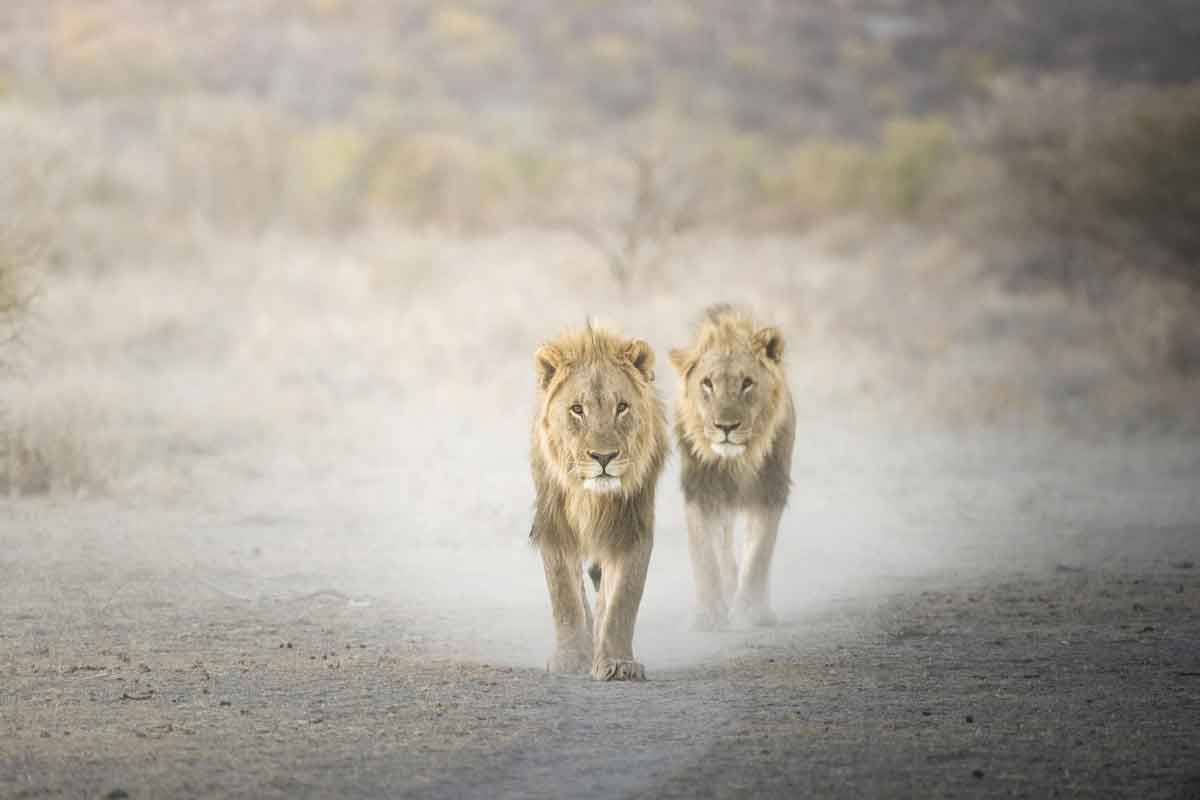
(188, 653)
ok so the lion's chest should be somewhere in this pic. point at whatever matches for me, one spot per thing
(593, 520)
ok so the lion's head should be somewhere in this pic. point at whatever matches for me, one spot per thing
(601, 425)
(734, 393)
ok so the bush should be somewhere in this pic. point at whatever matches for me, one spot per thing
(12, 300)
(1111, 173)
(226, 161)
(31, 192)
(473, 38)
(892, 180)
(820, 178)
(913, 159)
(443, 179)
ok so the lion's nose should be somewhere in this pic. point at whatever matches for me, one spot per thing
(729, 428)
(602, 458)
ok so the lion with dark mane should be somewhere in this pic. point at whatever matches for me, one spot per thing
(599, 443)
(735, 426)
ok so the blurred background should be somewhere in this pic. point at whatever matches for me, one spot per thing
(298, 238)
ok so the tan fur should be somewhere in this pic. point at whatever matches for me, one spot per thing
(593, 372)
(733, 376)
(733, 337)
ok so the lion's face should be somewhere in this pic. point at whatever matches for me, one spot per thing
(597, 428)
(731, 393)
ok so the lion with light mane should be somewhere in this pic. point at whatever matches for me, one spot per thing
(735, 425)
(599, 443)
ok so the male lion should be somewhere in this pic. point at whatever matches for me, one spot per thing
(599, 442)
(735, 425)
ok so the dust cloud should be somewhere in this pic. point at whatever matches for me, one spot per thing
(349, 423)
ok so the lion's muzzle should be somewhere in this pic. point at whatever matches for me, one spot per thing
(729, 439)
(602, 474)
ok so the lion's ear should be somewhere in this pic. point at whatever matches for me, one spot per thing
(549, 360)
(769, 342)
(682, 361)
(641, 356)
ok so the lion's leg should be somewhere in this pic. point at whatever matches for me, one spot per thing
(587, 608)
(705, 530)
(600, 607)
(568, 605)
(726, 559)
(593, 572)
(753, 601)
(621, 587)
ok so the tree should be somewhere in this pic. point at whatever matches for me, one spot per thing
(633, 202)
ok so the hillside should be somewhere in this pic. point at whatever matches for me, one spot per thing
(527, 71)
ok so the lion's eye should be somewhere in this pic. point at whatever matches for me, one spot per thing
(746, 384)
(577, 410)
(622, 408)
(706, 385)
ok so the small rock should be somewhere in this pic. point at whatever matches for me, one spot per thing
(978, 773)
(1186, 563)
(116, 794)
(1063, 568)
(224, 703)
(970, 718)
(926, 712)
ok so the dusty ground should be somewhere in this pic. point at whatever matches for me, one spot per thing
(1053, 648)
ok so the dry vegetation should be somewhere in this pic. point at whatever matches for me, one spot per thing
(912, 192)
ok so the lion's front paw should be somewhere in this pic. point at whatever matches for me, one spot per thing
(757, 616)
(569, 662)
(618, 669)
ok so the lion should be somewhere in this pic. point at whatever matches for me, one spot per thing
(735, 426)
(599, 444)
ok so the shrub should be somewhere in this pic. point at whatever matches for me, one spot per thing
(1112, 171)
(821, 178)
(226, 160)
(32, 193)
(443, 179)
(474, 39)
(892, 180)
(912, 160)
(325, 167)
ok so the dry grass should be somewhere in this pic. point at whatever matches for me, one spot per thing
(320, 361)
(218, 297)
